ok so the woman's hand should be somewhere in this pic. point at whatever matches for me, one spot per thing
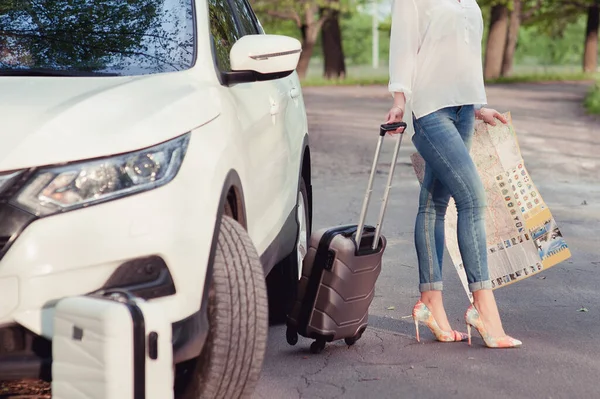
(488, 115)
(396, 114)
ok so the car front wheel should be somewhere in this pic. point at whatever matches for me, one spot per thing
(231, 361)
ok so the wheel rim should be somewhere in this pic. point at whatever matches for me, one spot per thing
(302, 243)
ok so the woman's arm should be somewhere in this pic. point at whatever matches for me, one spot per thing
(399, 101)
(404, 44)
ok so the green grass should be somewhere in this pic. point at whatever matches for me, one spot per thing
(364, 75)
(592, 100)
(383, 80)
(546, 77)
(349, 81)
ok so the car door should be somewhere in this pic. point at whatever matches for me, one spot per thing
(261, 110)
(293, 121)
(295, 127)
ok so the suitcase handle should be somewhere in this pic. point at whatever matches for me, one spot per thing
(385, 128)
(390, 127)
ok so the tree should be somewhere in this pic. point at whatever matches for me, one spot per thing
(506, 19)
(521, 12)
(309, 16)
(496, 42)
(590, 54)
(333, 51)
(554, 15)
(512, 36)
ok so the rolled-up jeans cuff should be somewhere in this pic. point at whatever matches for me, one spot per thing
(437, 286)
(480, 285)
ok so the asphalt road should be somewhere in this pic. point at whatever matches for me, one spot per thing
(560, 356)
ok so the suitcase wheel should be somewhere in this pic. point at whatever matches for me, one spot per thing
(317, 346)
(292, 336)
(352, 340)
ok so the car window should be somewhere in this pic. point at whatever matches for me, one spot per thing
(223, 30)
(96, 37)
(246, 17)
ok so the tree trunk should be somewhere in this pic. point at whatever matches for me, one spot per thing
(511, 39)
(307, 50)
(496, 42)
(590, 55)
(310, 32)
(333, 52)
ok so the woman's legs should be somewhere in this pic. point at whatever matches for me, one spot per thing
(429, 231)
(443, 139)
(429, 242)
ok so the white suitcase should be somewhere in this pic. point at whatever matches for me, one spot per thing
(116, 347)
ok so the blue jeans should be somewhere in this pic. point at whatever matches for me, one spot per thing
(443, 138)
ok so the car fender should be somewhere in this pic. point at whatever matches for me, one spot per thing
(189, 334)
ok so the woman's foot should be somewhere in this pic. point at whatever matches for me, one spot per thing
(433, 300)
(485, 303)
(423, 312)
(483, 315)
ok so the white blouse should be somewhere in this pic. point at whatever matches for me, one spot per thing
(435, 54)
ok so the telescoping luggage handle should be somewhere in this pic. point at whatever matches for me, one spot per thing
(384, 129)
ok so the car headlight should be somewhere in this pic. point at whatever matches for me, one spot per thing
(58, 189)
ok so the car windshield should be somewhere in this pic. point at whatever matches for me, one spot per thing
(95, 37)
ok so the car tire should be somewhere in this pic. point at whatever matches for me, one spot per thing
(231, 361)
(282, 281)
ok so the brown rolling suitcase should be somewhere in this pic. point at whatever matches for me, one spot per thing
(339, 272)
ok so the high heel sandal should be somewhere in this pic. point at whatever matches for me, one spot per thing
(421, 313)
(472, 318)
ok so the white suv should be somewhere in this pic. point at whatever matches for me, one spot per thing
(158, 146)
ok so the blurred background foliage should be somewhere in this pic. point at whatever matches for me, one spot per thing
(347, 41)
(551, 37)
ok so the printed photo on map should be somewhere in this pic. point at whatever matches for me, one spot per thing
(548, 239)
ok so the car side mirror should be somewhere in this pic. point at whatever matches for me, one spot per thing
(263, 57)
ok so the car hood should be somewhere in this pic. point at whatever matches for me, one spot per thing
(52, 120)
